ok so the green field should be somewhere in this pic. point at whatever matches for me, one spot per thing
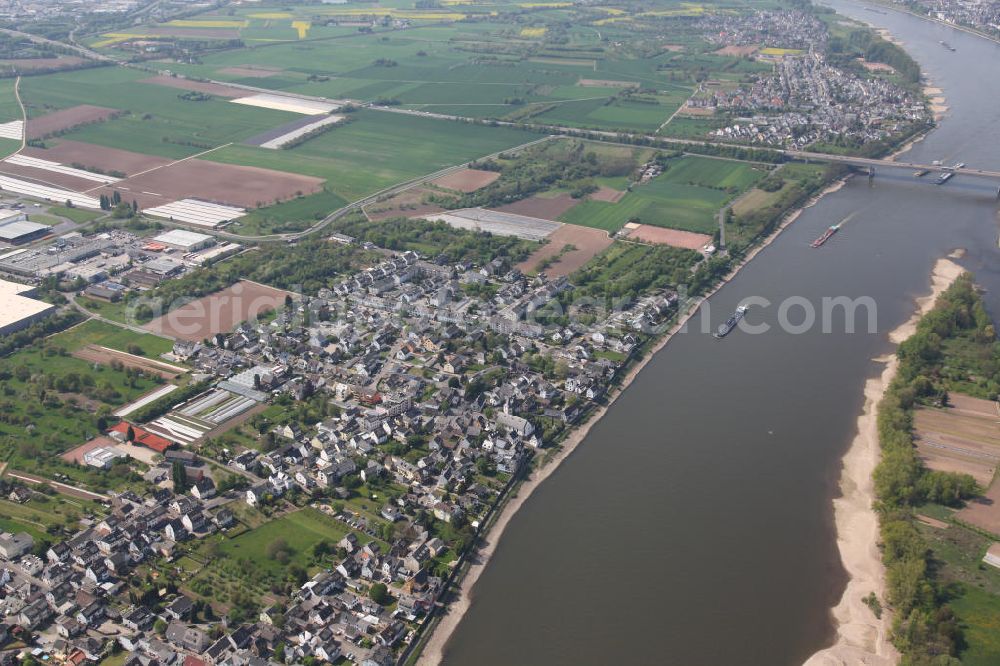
(229, 568)
(9, 108)
(379, 149)
(44, 512)
(294, 215)
(101, 333)
(978, 613)
(458, 59)
(78, 215)
(688, 196)
(301, 530)
(159, 122)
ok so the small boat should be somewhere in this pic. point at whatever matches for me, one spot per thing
(944, 178)
(827, 235)
(730, 324)
(921, 173)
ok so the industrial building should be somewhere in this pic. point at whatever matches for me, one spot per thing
(15, 229)
(18, 309)
(186, 241)
(103, 457)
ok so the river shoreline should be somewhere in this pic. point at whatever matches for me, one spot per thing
(860, 636)
(434, 649)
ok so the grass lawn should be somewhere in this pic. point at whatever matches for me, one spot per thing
(42, 512)
(78, 215)
(241, 566)
(979, 616)
(101, 333)
(301, 530)
(115, 311)
(42, 218)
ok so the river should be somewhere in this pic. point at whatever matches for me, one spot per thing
(694, 523)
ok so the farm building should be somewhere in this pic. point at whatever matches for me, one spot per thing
(142, 437)
(18, 309)
(15, 229)
(186, 241)
(103, 457)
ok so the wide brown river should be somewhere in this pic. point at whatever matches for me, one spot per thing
(694, 524)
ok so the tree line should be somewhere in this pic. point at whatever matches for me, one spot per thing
(924, 629)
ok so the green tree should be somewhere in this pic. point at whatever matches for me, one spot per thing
(179, 475)
(379, 593)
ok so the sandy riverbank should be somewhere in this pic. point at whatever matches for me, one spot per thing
(937, 101)
(433, 651)
(861, 637)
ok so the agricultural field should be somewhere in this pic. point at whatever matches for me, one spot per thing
(687, 196)
(565, 63)
(377, 150)
(551, 63)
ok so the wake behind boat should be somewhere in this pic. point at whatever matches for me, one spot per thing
(730, 324)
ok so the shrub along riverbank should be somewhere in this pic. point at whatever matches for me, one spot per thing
(925, 629)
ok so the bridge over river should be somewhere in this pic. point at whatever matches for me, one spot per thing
(890, 164)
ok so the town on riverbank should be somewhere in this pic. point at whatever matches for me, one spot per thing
(247, 421)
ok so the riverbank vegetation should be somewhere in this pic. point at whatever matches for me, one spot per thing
(937, 359)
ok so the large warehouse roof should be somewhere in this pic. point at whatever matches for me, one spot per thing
(15, 230)
(182, 238)
(14, 307)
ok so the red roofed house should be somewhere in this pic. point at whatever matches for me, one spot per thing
(142, 437)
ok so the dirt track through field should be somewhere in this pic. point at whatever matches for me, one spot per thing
(105, 356)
